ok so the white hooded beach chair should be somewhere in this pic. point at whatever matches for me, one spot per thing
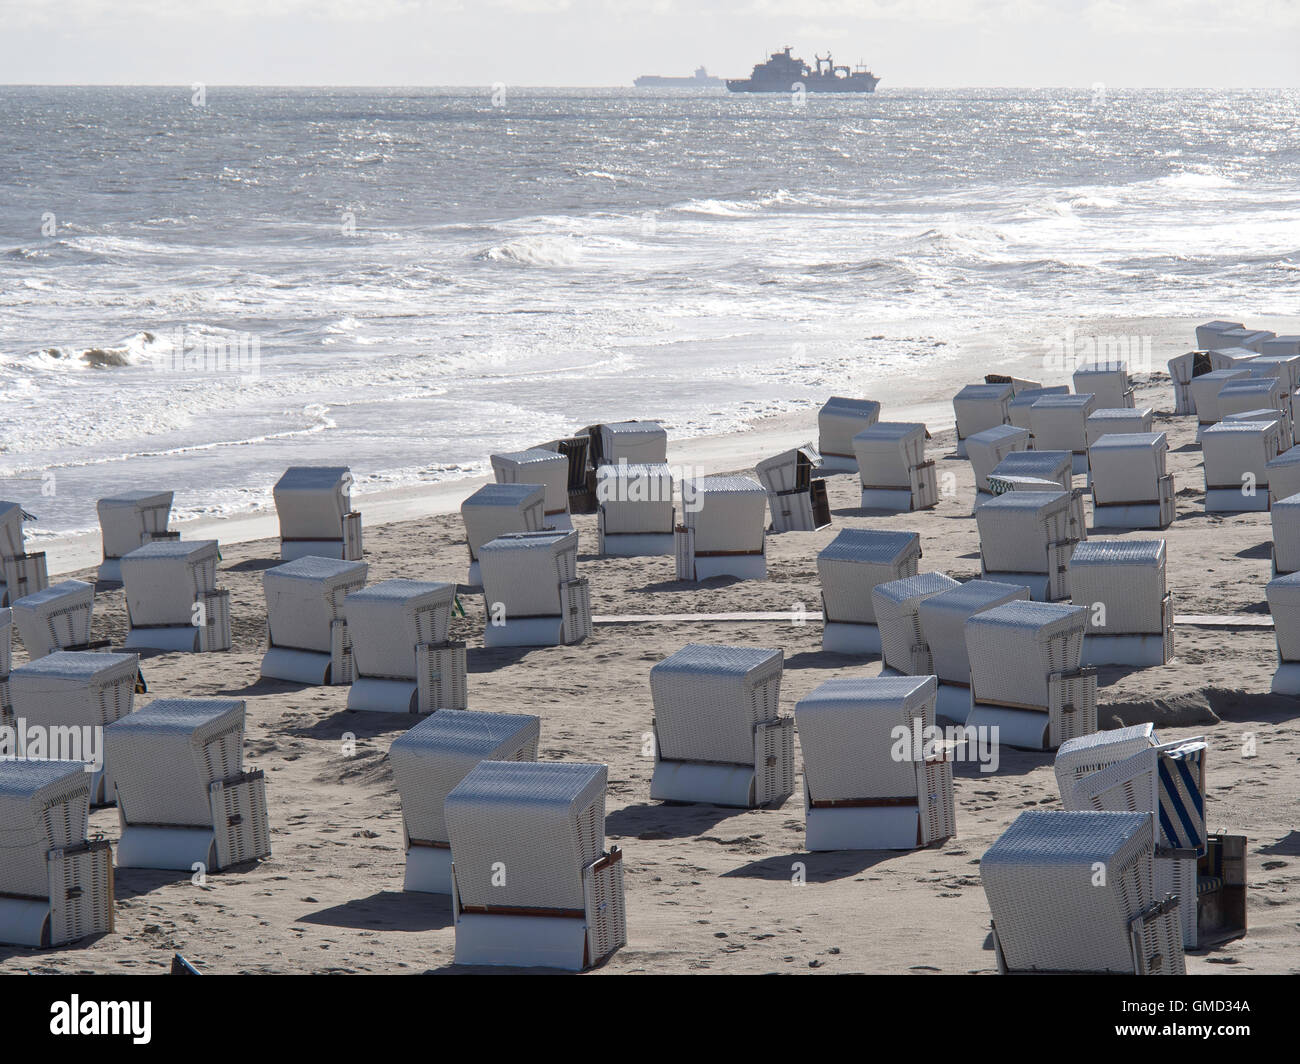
(1037, 465)
(1107, 380)
(532, 883)
(1205, 393)
(307, 638)
(634, 442)
(1236, 456)
(1240, 336)
(723, 529)
(57, 618)
(1182, 368)
(719, 737)
(1114, 421)
(1285, 517)
(1130, 488)
(1026, 673)
(1018, 413)
(943, 619)
(875, 775)
(532, 590)
(428, 761)
(893, 468)
(1060, 423)
(1001, 483)
(1208, 335)
(1283, 594)
(314, 504)
(903, 648)
(636, 515)
(582, 485)
(795, 497)
(837, 423)
(131, 520)
(402, 660)
(1018, 384)
(539, 466)
(56, 885)
(78, 692)
(1246, 395)
(849, 567)
(172, 598)
(1281, 359)
(497, 509)
(21, 573)
(1027, 537)
(1121, 583)
(1287, 346)
(978, 407)
(986, 449)
(1076, 892)
(183, 796)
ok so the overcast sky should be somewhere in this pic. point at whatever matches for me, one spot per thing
(1212, 43)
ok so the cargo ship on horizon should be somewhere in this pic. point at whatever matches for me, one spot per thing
(783, 73)
(700, 79)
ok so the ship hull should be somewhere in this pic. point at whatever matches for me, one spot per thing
(854, 85)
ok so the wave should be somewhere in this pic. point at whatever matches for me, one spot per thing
(535, 251)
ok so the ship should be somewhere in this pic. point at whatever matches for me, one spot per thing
(700, 79)
(784, 73)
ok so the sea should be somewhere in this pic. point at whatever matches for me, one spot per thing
(202, 285)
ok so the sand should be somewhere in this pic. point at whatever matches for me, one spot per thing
(708, 889)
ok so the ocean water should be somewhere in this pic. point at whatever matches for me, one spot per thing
(195, 297)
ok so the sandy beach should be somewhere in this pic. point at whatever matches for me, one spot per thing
(708, 889)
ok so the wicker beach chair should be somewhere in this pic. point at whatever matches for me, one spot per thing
(1114, 421)
(307, 638)
(1018, 384)
(1283, 594)
(1182, 368)
(402, 659)
(582, 483)
(428, 761)
(1205, 390)
(1121, 583)
(1076, 892)
(532, 883)
(56, 885)
(1130, 488)
(849, 567)
(21, 573)
(57, 618)
(1208, 335)
(1240, 336)
(986, 449)
(893, 468)
(1246, 395)
(183, 795)
(1060, 423)
(719, 737)
(875, 778)
(795, 496)
(634, 442)
(533, 593)
(314, 504)
(1287, 346)
(78, 692)
(131, 520)
(1285, 517)
(978, 407)
(636, 515)
(539, 466)
(172, 598)
(1026, 674)
(496, 510)
(1018, 412)
(1041, 465)
(1107, 380)
(902, 644)
(837, 423)
(723, 529)
(1027, 537)
(1236, 456)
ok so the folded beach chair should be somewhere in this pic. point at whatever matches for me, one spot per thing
(1130, 488)
(1018, 384)
(428, 761)
(1236, 456)
(172, 598)
(1039, 465)
(875, 777)
(531, 883)
(539, 466)
(533, 593)
(1107, 380)
(978, 407)
(1027, 537)
(1245, 395)
(636, 516)
(183, 797)
(1018, 412)
(893, 468)
(497, 509)
(1209, 334)
(719, 737)
(634, 442)
(1285, 517)
(131, 520)
(1026, 674)
(1205, 390)
(796, 499)
(837, 423)
(849, 567)
(307, 637)
(314, 504)
(78, 693)
(723, 529)
(903, 648)
(1114, 421)
(57, 618)
(1076, 892)
(1283, 594)
(986, 449)
(402, 660)
(1121, 583)
(56, 885)
(943, 619)
(1060, 423)
(6, 665)
(582, 484)
(21, 573)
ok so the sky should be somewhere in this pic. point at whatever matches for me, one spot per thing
(909, 43)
